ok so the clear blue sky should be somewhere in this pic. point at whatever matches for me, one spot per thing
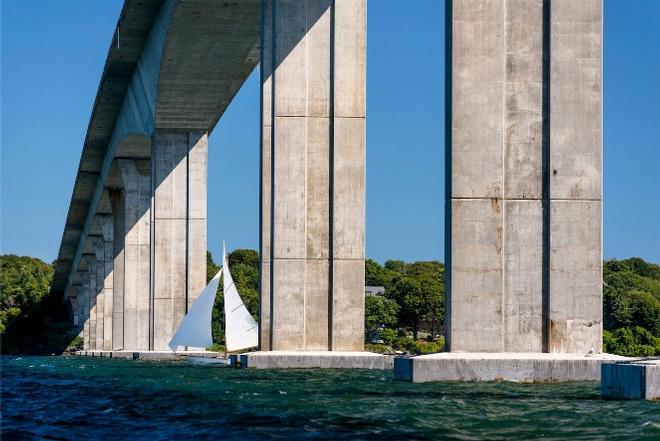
(53, 54)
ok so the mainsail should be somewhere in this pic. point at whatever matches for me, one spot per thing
(195, 328)
(241, 331)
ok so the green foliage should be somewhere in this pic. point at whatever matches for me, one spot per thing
(378, 311)
(631, 307)
(7, 317)
(631, 342)
(24, 281)
(394, 341)
(388, 335)
(31, 320)
(417, 288)
(211, 267)
(430, 347)
(376, 275)
(244, 267)
(76, 344)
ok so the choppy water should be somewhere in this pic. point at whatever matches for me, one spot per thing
(93, 399)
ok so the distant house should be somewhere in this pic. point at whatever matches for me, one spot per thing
(374, 290)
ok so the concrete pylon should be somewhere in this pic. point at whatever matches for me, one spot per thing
(107, 272)
(92, 273)
(98, 245)
(179, 168)
(118, 233)
(83, 294)
(524, 175)
(134, 264)
(313, 174)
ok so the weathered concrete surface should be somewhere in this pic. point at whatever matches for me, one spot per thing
(316, 360)
(84, 295)
(106, 278)
(92, 271)
(136, 262)
(525, 119)
(118, 233)
(313, 175)
(575, 171)
(530, 367)
(98, 245)
(631, 381)
(179, 162)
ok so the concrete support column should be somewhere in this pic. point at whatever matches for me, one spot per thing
(84, 295)
(106, 271)
(575, 175)
(98, 245)
(136, 241)
(118, 234)
(179, 162)
(92, 272)
(523, 175)
(313, 174)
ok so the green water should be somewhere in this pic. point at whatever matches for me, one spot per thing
(85, 398)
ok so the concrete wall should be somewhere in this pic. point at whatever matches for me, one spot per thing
(313, 171)
(525, 243)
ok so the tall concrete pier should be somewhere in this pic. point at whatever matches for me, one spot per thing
(524, 175)
(313, 87)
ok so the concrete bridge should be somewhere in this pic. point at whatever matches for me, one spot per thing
(524, 188)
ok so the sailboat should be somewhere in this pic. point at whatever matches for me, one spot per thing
(241, 330)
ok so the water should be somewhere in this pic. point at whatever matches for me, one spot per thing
(94, 399)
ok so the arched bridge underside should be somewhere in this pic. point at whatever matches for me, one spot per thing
(523, 202)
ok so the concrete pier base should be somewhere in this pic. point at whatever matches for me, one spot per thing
(638, 380)
(315, 360)
(149, 355)
(516, 367)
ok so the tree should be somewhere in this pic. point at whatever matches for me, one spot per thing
(631, 342)
(419, 298)
(211, 267)
(378, 311)
(24, 281)
(376, 275)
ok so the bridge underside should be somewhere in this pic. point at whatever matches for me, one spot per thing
(523, 173)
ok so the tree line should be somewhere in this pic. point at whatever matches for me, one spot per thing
(407, 317)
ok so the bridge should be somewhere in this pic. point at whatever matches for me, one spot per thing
(523, 178)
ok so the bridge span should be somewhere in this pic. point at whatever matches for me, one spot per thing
(523, 173)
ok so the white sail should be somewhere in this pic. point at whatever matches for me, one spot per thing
(195, 328)
(241, 331)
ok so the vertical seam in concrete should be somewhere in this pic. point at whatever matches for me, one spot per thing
(505, 52)
(187, 232)
(262, 6)
(331, 179)
(602, 134)
(305, 171)
(152, 251)
(331, 171)
(545, 173)
(448, 169)
(272, 168)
